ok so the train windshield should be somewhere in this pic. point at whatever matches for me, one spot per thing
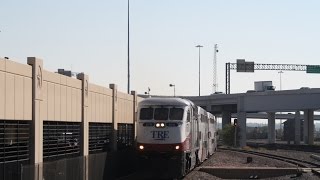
(161, 113)
(176, 114)
(146, 113)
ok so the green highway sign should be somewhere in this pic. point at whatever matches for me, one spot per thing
(313, 68)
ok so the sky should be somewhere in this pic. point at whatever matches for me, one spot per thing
(91, 37)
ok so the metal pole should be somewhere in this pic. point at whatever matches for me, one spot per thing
(128, 50)
(199, 71)
(199, 46)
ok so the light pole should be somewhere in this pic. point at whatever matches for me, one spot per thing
(280, 72)
(128, 51)
(199, 46)
(174, 89)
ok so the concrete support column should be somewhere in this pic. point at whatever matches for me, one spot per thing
(84, 141)
(308, 127)
(36, 136)
(135, 106)
(242, 123)
(114, 116)
(271, 128)
(297, 128)
(84, 108)
(226, 118)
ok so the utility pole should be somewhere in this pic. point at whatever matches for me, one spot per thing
(215, 78)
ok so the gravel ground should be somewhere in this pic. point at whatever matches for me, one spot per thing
(236, 159)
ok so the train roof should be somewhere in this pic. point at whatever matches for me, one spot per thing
(166, 101)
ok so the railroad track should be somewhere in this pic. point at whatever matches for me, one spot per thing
(304, 148)
(305, 166)
(294, 161)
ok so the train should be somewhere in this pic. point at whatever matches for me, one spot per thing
(174, 136)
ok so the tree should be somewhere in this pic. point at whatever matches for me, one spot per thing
(227, 135)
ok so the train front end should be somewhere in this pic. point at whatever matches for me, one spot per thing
(163, 134)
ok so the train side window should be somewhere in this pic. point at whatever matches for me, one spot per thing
(188, 116)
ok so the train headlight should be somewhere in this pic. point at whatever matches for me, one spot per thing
(177, 147)
(158, 125)
(162, 124)
(141, 147)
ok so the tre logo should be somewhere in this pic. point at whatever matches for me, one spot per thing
(160, 135)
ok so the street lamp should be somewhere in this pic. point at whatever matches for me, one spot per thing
(148, 93)
(174, 89)
(199, 46)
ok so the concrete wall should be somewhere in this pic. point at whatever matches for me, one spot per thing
(99, 104)
(61, 98)
(28, 92)
(15, 91)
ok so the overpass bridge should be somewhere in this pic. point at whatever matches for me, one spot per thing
(251, 105)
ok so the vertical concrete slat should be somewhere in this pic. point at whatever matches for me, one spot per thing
(63, 102)
(84, 122)
(109, 109)
(27, 99)
(50, 101)
(18, 97)
(2, 94)
(114, 116)
(98, 103)
(89, 112)
(9, 97)
(271, 128)
(69, 103)
(73, 104)
(94, 105)
(79, 105)
(57, 100)
(297, 128)
(104, 109)
(36, 141)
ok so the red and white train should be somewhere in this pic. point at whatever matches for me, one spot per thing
(174, 135)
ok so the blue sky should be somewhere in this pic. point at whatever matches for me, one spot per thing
(91, 37)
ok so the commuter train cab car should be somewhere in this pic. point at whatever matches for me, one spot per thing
(173, 135)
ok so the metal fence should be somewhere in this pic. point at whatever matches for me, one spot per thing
(14, 148)
(98, 166)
